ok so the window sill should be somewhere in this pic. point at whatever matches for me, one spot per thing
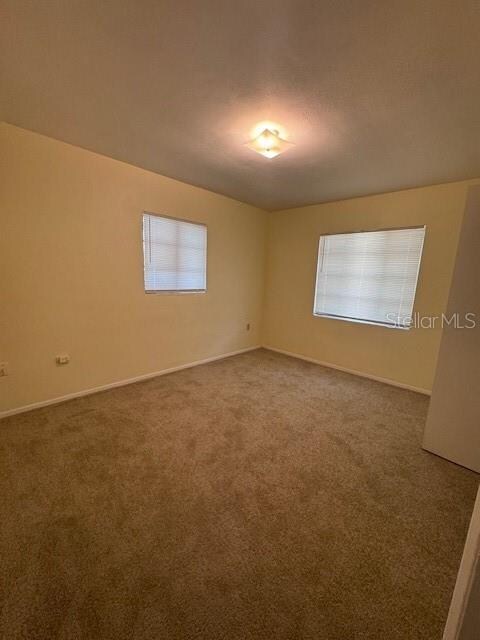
(178, 293)
(386, 325)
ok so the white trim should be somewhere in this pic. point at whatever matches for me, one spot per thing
(354, 372)
(386, 325)
(121, 383)
(460, 616)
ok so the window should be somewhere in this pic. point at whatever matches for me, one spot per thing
(174, 254)
(369, 276)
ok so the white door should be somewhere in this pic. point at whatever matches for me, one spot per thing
(453, 423)
(463, 621)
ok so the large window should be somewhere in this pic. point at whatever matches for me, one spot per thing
(174, 254)
(369, 276)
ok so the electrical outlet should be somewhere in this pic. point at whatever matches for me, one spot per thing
(3, 369)
(63, 359)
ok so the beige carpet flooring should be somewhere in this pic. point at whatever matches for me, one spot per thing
(258, 497)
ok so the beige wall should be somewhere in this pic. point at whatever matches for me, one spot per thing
(71, 272)
(407, 357)
(71, 275)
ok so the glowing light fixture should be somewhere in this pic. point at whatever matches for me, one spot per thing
(269, 143)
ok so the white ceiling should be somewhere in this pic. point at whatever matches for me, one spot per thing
(376, 95)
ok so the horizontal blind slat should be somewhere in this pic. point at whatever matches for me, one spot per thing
(370, 276)
(175, 254)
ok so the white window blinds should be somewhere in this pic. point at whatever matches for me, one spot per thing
(369, 276)
(175, 254)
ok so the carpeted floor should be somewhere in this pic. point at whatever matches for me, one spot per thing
(258, 497)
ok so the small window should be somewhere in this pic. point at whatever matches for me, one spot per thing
(369, 276)
(174, 254)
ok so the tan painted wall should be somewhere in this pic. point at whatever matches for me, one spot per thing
(71, 275)
(71, 271)
(407, 357)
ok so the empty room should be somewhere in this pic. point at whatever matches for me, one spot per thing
(240, 320)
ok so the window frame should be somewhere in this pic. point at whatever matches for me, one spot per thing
(180, 292)
(359, 320)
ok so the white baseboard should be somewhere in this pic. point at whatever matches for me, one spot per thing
(120, 383)
(354, 372)
(188, 365)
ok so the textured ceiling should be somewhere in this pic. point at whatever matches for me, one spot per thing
(376, 95)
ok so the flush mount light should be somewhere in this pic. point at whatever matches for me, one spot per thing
(269, 143)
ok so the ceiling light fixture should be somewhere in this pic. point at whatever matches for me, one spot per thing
(269, 144)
